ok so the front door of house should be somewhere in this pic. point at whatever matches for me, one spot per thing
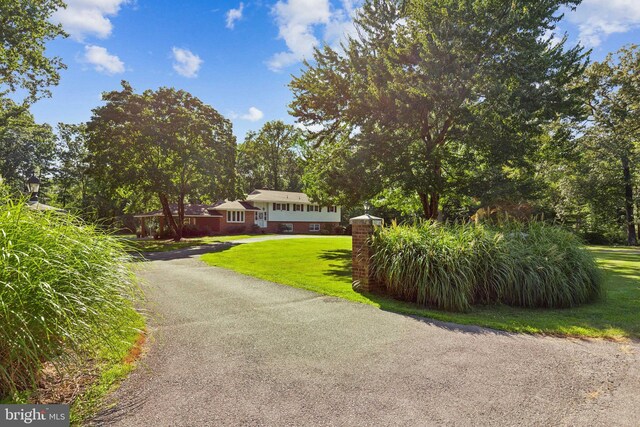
(261, 219)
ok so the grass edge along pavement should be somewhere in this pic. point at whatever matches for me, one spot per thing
(115, 364)
(165, 245)
(112, 364)
(324, 266)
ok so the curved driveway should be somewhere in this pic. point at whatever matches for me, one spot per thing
(228, 349)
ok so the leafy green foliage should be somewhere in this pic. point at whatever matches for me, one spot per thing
(455, 266)
(63, 286)
(432, 97)
(592, 179)
(26, 28)
(614, 132)
(25, 147)
(72, 178)
(76, 190)
(270, 158)
(165, 143)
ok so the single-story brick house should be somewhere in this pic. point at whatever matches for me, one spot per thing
(263, 210)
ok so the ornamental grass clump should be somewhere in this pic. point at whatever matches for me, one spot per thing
(456, 266)
(544, 266)
(64, 286)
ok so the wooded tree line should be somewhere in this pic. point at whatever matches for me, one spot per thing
(140, 151)
(445, 106)
(432, 109)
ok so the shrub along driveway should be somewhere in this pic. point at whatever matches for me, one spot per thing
(230, 349)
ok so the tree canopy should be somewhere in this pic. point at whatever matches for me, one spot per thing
(25, 28)
(25, 147)
(433, 97)
(611, 135)
(166, 143)
(270, 158)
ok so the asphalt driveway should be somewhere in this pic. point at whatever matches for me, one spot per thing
(227, 349)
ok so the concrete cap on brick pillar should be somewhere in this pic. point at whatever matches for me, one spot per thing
(366, 219)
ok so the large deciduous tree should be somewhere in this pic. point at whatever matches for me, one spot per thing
(270, 158)
(428, 90)
(25, 147)
(164, 142)
(25, 28)
(73, 162)
(613, 128)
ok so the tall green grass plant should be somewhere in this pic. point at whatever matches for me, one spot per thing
(64, 286)
(456, 266)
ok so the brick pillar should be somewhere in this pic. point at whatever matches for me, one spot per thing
(361, 229)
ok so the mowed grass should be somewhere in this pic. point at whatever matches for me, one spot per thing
(165, 245)
(324, 266)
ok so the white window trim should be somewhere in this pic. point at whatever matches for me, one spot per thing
(235, 217)
(314, 227)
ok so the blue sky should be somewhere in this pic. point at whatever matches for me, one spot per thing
(236, 56)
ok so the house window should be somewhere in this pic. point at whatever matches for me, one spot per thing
(277, 207)
(313, 208)
(235, 216)
(332, 209)
(297, 207)
(314, 227)
(286, 227)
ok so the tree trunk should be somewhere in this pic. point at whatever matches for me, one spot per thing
(166, 209)
(430, 204)
(180, 224)
(431, 200)
(628, 202)
(276, 173)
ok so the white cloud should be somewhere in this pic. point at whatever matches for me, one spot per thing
(253, 115)
(298, 22)
(310, 128)
(186, 63)
(84, 18)
(341, 24)
(597, 19)
(102, 60)
(555, 37)
(234, 15)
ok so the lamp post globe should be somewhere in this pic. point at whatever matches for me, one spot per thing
(366, 207)
(34, 187)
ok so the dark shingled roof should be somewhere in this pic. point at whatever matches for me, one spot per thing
(189, 210)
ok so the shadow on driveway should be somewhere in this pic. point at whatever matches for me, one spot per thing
(188, 252)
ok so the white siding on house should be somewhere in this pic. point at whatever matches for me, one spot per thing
(297, 216)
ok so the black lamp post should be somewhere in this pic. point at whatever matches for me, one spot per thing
(34, 187)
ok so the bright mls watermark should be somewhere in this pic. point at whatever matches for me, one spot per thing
(34, 415)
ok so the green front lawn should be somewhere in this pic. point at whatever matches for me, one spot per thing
(152, 245)
(324, 266)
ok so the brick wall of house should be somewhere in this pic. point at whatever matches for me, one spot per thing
(210, 224)
(300, 227)
(235, 227)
